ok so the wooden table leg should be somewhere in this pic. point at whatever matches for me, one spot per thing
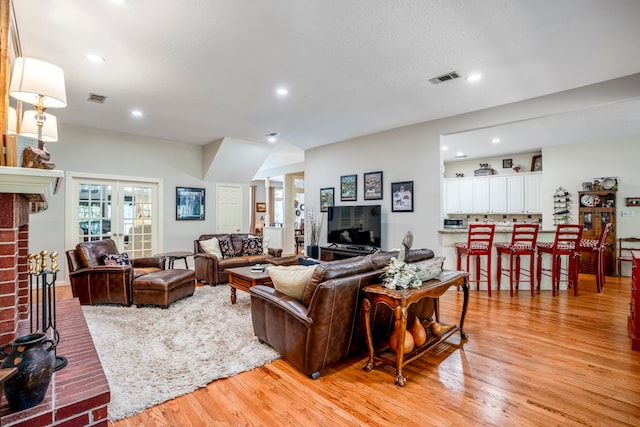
(400, 326)
(366, 306)
(465, 292)
(233, 294)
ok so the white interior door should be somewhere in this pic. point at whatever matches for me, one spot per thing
(125, 211)
(228, 208)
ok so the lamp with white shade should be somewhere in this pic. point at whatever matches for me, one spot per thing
(29, 127)
(40, 84)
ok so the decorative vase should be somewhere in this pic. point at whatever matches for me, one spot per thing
(35, 365)
(408, 344)
(418, 332)
(312, 252)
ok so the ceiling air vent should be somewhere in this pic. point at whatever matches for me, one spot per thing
(445, 77)
(97, 98)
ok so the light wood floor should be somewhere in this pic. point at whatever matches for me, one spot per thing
(538, 361)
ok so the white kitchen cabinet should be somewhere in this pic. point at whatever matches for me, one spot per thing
(533, 193)
(515, 194)
(459, 195)
(481, 195)
(498, 194)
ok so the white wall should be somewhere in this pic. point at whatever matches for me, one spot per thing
(412, 153)
(109, 153)
(404, 154)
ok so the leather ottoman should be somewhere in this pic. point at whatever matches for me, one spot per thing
(163, 287)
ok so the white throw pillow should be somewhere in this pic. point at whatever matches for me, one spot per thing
(265, 244)
(430, 268)
(211, 246)
(291, 280)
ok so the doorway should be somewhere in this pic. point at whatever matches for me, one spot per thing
(126, 211)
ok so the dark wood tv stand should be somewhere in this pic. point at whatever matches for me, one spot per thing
(330, 253)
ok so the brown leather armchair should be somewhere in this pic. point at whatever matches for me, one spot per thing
(93, 282)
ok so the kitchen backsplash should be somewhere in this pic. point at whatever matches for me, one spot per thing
(499, 218)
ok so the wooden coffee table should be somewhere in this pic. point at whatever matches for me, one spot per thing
(243, 278)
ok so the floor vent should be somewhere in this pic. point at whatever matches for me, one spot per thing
(97, 98)
(445, 77)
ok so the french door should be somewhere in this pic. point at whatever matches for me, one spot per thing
(126, 211)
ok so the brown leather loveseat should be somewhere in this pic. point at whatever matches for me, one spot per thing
(326, 325)
(93, 282)
(210, 268)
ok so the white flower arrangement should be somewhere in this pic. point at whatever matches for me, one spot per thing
(399, 274)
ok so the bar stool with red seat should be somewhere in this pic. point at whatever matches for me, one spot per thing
(597, 247)
(479, 244)
(523, 243)
(565, 243)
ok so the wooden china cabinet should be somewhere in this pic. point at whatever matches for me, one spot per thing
(596, 209)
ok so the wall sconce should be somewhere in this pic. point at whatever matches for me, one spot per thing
(40, 84)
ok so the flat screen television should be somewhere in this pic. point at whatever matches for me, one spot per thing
(357, 227)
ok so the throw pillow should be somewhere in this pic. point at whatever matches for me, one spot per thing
(211, 246)
(115, 259)
(291, 280)
(430, 268)
(307, 261)
(226, 246)
(265, 245)
(252, 246)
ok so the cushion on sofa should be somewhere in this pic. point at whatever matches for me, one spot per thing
(116, 259)
(429, 268)
(333, 270)
(226, 247)
(265, 244)
(291, 280)
(211, 246)
(252, 246)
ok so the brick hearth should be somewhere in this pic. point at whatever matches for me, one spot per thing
(79, 393)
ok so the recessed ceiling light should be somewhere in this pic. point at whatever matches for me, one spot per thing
(445, 148)
(474, 77)
(95, 58)
(282, 91)
(272, 137)
(461, 154)
(495, 140)
(136, 113)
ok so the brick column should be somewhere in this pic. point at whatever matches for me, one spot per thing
(14, 246)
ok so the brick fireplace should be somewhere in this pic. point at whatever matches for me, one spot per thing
(79, 393)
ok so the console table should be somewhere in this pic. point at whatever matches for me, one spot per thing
(399, 301)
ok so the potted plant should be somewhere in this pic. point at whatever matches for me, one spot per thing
(314, 223)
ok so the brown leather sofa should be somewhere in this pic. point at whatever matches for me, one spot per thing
(93, 282)
(210, 268)
(327, 325)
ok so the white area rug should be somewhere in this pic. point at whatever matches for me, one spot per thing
(151, 355)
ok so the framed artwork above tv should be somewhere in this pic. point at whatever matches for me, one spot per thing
(349, 188)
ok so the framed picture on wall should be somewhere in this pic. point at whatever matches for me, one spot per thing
(373, 186)
(261, 207)
(326, 198)
(349, 188)
(402, 199)
(536, 163)
(189, 203)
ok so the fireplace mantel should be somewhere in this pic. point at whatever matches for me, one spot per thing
(36, 184)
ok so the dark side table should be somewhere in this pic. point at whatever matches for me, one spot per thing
(173, 256)
(399, 301)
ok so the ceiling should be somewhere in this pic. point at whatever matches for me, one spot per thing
(201, 70)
